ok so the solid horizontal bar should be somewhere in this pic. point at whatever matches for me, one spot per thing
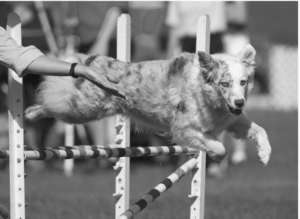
(159, 189)
(99, 151)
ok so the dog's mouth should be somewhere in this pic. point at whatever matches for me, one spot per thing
(234, 111)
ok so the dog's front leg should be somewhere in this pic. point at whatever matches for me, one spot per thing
(193, 138)
(244, 128)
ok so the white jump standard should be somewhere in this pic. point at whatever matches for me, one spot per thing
(17, 155)
(159, 189)
(16, 133)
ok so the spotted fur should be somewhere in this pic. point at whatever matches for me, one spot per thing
(193, 97)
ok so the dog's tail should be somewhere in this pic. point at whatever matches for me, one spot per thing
(54, 97)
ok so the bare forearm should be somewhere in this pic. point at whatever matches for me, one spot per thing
(54, 67)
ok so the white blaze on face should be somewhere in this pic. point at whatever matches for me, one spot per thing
(236, 76)
(239, 78)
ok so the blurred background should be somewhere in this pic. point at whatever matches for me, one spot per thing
(238, 187)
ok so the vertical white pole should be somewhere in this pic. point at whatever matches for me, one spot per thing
(123, 125)
(198, 180)
(69, 141)
(16, 134)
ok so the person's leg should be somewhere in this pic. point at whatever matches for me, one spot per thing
(239, 151)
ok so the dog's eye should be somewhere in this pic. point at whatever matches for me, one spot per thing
(225, 84)
(246, 63)
(243, 82)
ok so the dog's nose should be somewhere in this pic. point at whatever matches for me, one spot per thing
(239, 103)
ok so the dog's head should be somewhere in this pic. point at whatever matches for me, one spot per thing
(230, 76)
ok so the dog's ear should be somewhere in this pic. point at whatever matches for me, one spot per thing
(208, 66)
(247, 55)
(206, 61)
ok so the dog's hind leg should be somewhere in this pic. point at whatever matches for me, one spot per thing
(35, 113)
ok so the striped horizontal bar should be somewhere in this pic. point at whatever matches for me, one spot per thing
(159, 189)
(99, 151)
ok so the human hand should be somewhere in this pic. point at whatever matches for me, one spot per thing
(104, 81)
(95, 75)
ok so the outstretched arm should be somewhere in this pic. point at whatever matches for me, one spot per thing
(244, 128)
(31, 60)
(44, 65)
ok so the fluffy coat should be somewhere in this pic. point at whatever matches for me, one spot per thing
(194, 97)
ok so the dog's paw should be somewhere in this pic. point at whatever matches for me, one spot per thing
(218, 152)
(34, 113)
(264, 154)
(217, 157)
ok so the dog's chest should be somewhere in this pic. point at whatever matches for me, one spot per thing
(215, 121)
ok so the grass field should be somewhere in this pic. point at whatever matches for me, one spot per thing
(247, 191)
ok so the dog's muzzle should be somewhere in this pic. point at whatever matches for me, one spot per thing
(235, 111)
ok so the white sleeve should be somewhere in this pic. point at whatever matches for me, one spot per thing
(14, 56)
